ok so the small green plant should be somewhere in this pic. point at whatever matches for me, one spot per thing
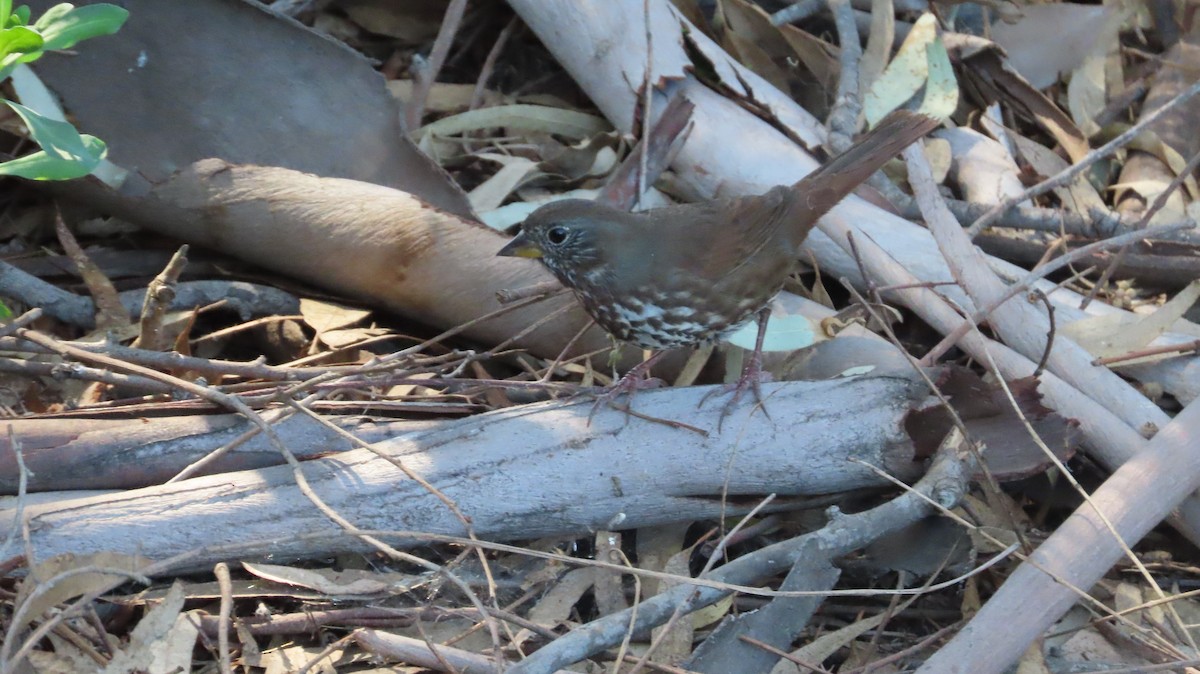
(65, 153)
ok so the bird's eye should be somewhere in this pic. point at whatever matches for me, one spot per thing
(556, 235)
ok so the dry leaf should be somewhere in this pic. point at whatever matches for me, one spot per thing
(921, 65)
(990, 73)
(1118, 334)
(879, 43)
(757, 44)
(444, 97)
(66, 658)
(1052, 39)
(983, 169)
(162, 641)
(322, 316)
(518, 117)
(824, 646)
(786, 331)
(905, 75)
(492, 192)
(555, 606)
(338, 339)
(294, 658)
(1032, 661)
(345, 583)
(69, 587)
(1086, 92)
(413, 22)
(1088, 645)
(1079, 195)
(937, 152)
(661, 549)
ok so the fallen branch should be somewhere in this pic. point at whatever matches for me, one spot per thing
(943, 485)
(68, 454)
(1056, 572)
(1023, 326)
(527, 472)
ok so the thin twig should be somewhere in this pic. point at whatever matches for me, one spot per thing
(22, 486)
(816, 667)
(221, 571)
(20, 619)
(843, 118)
(110, 313)
(542, 289)
(797, 12)
(1097, 223)
(1033, 276)
(1178, 349)
(901, 654)
(539, 323)
(717, 554)
(1068, 174)
(1037, 294)
(1161, 200)
(323, 656)
(437, 56)
(409, 473)
(160, 294)
(20, 322)
(489, 63)
(948, 469)
(993, 485)
(238, 405)
(1065, 472)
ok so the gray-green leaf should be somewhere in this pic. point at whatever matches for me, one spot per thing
(42, 166)
(64, 25)
(57, 138)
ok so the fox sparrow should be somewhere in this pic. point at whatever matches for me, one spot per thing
(688, 274)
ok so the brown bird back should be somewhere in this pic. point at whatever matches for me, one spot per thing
(768, 228)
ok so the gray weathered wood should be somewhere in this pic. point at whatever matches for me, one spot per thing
(524, 472)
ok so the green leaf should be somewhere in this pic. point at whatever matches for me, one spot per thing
(9, 63)
(21, 15)
(63, 28)
(19, 40)
(43, 166)
(5, 312)
(5, 12)
(53, 14)
(59, 139)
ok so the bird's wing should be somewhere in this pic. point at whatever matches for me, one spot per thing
(732, 232)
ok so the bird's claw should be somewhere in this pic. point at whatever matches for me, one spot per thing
(751, 378)
(632, 382)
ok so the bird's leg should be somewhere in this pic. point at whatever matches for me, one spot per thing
(633, 380)
(752, 373)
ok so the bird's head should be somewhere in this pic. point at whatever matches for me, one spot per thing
(572, 237)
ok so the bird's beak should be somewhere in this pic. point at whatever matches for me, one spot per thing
(521, 246)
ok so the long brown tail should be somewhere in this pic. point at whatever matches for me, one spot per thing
(822, 189)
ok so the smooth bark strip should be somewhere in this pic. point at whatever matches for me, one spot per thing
(115, 453)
